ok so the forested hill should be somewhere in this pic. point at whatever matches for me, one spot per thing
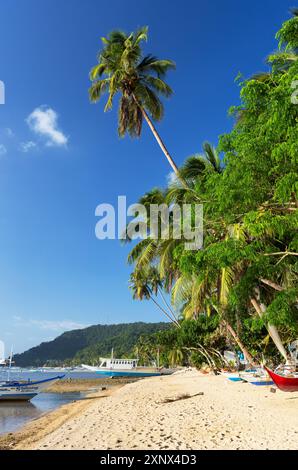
(86, 345)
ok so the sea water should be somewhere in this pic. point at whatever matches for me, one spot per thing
(14, 415)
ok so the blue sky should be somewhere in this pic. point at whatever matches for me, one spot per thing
(56, 166)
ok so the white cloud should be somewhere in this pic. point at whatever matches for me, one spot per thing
(26, 146)
(172, 178)
(3, 150)
(49, 325)
(43, 121)
(63, 325)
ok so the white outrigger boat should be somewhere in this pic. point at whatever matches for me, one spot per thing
(110, 367)
(23, 390)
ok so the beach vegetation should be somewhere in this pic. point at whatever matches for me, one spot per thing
(246, 275)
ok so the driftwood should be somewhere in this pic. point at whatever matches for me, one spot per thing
(184, 396)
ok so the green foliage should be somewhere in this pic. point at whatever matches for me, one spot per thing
(137, 78)
(186, 345)
(250, 202)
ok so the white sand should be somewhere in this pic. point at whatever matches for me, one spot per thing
(227, 416)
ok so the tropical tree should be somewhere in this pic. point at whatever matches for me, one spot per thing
(175, 357)
(139, 79)
(145, 284)
(197, 165)
(192, 294)
(246, 275)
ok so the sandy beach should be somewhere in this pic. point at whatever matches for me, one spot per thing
(86, 385)
(187, 410)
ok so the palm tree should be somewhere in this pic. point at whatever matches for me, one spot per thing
(196, 165)
(175, 357)
(146, 284)
(198, 294)
(122, 68)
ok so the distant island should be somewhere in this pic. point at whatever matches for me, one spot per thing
(87, 345)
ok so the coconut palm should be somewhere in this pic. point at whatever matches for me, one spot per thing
(195, 166)
(194, 170)
(145, 284)
(122, 68)
(175, 357)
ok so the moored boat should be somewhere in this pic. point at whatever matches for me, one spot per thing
(285, 383)
(233, 376)
(110, 367)
(257, 380)
(24, 390)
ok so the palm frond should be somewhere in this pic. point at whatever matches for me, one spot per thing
(158, 66)
(226, 281)
(193, 167)
(182, 289)
(237, 232)
(147, 256)
(97, 71)
(211, 156)
(158, 85)
(141, 35)
(98, 88)
(150, 101)
(137, 250)
(166, 256)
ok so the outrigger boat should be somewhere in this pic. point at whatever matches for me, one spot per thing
(257, 379)
(285, 383)
(285, 376)
(110, 367)
(24, 390)
(253, 376)
(124, 368)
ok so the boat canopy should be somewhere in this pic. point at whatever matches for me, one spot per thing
(122, 364)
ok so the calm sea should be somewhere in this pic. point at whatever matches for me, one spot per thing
(14, 415)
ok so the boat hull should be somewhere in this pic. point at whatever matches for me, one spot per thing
(119, 373)
(24, 391)
(258, 382)
(18, 397)
(285, 384)
(132, 372)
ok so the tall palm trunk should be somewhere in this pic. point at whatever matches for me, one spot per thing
(174, 321)
(160, 141)
(233, 333)
(167, 305)
(157, 137)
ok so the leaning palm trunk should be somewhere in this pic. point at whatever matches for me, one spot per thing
(159, 141)
(167, 305)
(272, 330)
(173, 320)
(157, 137)
(233, 333)
(204, 353)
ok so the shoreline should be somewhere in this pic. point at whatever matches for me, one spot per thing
(48, 422)
(187, 410)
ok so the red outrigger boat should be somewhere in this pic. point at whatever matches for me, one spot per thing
(286, 384)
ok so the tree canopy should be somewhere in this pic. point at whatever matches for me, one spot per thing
(247, 272)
